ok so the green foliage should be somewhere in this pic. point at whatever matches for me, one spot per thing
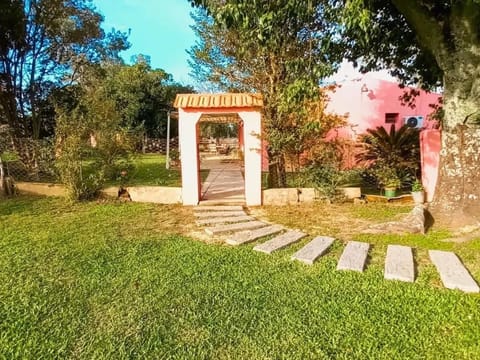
(91, 132)
(44, 45)
(8, 156)
(273, 48)
(326, 178)
(143, 95)
(393, 157)
(386, 175)
(381, 35)
(417, 186)
(218, 130)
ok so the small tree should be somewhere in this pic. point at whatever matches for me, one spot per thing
(84, 167)
(270, 47)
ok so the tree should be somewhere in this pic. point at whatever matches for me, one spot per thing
(431, 43)
(45, 44)
(426, 42)
(85, 165)
(142, 95)
(276, 48)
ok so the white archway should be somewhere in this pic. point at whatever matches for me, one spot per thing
(190, 108)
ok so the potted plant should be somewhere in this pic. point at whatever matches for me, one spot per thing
(418, 192)
(387, 178)
(391, 185)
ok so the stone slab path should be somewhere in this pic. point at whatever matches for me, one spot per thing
(240, 228)
(219, 229)
(313, 250)
(280, 241)
(210, 214)
(399, 263)
(224, 182)
(452, 272)
(224, 220)
(218, 208)
(354, 256)
(244, 237)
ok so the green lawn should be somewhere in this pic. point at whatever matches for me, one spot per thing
(119, 280)
(149, 170)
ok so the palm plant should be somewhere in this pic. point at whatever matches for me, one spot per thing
(399, 149)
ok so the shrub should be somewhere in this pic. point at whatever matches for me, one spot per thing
(393, 155)
(326, 179)
(84, 167)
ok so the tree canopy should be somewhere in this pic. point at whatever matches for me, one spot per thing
(423, 42)
(143, 95)
(270, 48)
(45, 44)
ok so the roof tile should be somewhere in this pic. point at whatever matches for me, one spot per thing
(218, 100)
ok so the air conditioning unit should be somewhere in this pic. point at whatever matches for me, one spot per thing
(414, 121)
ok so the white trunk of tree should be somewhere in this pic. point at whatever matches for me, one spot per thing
(457, 196)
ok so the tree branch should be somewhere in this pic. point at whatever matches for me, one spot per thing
(428, 29)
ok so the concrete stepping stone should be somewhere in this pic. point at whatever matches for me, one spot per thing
(244, 237)
(224, 220)
(280, 241)
(209, 214)
(234, 227)
(453, 273)
(354, 256)
(399, 263)
(313, 250)
(218, 208)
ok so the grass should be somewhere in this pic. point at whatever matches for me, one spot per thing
(346, 221)
(149, 170)
(113, 280)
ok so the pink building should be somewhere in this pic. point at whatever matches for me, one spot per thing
(370, 102)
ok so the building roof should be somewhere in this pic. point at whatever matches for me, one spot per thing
(227, 100)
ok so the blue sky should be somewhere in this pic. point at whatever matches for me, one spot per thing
(159, 28)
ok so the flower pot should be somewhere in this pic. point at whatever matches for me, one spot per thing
(418, 197)
(390, 192)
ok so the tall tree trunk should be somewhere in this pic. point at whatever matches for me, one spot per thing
(276, 170)
(457, 195)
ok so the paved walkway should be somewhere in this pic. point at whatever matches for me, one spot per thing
(225, 183)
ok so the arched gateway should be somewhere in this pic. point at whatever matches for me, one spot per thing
(192, 108)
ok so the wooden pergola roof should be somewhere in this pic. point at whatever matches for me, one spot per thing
(216, 101)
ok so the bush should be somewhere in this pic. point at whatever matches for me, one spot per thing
(92, 146)
(326, 179)
(392, 156)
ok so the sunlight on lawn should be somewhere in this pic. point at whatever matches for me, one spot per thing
(120, 280)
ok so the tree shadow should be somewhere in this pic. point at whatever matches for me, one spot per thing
(429, 220)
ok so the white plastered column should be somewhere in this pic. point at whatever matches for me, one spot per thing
(187, 132)
(253, 156)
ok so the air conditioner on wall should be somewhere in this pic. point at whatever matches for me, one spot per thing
(414, 121)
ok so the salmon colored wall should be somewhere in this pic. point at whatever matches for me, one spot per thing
(366, 100)
(430, 142)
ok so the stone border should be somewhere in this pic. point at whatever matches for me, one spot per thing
(292, 196)
(45, 189)
(151, 194)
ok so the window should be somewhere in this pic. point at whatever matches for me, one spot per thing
(391, 118)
